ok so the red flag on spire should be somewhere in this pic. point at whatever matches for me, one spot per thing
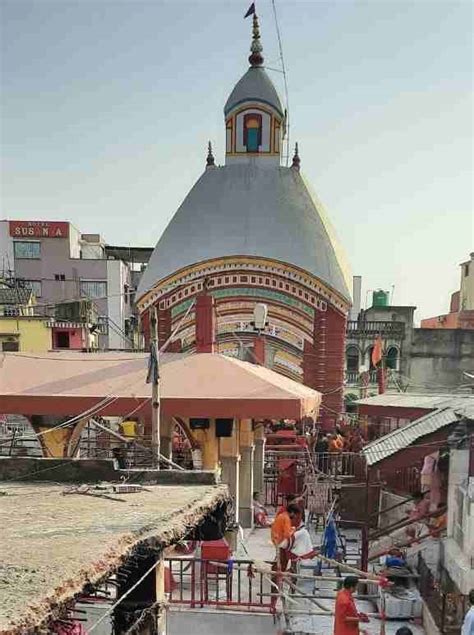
(377, 351)
(250, 11)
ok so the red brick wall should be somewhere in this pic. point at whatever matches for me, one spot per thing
(323, 363)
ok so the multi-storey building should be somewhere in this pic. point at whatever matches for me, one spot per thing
(62, 265)
(434, 357)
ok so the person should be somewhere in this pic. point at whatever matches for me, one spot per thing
(335, 443)
(404, 630)
(468, 624)
(356, 442)
(260, 515)
(281, 531)
(300, 546)
(347, 617)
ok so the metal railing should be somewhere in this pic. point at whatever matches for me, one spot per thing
(196, 582)
(285, 471)
(353, 377)
(447, 608)
(403, 481)
(371, 328)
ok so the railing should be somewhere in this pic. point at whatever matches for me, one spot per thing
(353, 377)
(343, 464)
(387, 329)
(285, 471)
(197, 583)
(446, 608)
(403, 481)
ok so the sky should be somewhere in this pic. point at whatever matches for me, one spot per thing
(107, 106)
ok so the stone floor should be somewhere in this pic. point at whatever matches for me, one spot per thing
(257, 545)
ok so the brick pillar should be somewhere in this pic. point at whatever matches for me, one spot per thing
(205, 324)
(334, 380)
(164, 326)
(259, 350)
(323, 363)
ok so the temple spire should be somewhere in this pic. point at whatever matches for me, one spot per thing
(256, 57)
(296, 158)
(210, 156)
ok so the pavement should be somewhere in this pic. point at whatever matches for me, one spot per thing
(257, 545)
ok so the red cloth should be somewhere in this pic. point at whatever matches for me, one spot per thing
(345, 607)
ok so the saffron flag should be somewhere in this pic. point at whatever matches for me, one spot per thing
(250, 11)
(377, 351)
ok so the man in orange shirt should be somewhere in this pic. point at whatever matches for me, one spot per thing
(347, 617)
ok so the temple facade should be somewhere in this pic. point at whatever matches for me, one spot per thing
(251, 231)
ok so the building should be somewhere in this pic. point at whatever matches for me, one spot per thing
(461, 311)
(60, 265)
(433, 451)
(20, 328)
(28, 328)
(416, 359)
(249, 232)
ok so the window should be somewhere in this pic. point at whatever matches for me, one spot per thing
(27, 249)
(93, 289)
(10, 346)
(466, 270)
(253, 132)
(62, 339)
(352, 359)
(36, 287)
(59, 276)
(391, 360)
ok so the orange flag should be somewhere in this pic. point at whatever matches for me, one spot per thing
(377, 351)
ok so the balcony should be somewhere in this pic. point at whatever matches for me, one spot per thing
(371, 329)
(352, 378)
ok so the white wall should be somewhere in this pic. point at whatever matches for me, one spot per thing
(7, 260)
(457, 561)
(118, 275)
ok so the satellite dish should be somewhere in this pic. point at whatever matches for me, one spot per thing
(260, 316)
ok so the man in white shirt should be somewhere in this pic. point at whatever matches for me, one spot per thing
(468, 624)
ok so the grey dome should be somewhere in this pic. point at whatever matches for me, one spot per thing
(255, 85)
(248, 210)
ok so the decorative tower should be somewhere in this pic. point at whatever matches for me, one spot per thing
(253, 113)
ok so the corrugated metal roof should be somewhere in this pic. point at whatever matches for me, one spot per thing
(14, 296)
(412, 400)
(403, 437)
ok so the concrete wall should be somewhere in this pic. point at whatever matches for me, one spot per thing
(119, 309)
(34, 336)
(457, 558)
(438, 357)
(6, 247)
(92, 471)
(466, 296)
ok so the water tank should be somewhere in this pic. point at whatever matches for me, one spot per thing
(379, 298)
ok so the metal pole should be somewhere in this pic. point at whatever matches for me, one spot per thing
(155, 399)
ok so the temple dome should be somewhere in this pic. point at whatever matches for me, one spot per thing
(247, 210)
(254, 86)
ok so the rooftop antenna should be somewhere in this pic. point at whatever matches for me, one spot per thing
(286, 129)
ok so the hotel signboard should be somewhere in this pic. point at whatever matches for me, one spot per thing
(38, 229)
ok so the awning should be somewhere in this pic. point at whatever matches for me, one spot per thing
(201, 385)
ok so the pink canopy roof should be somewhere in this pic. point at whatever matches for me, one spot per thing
(203, 385)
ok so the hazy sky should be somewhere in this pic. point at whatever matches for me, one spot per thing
(107, 107)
